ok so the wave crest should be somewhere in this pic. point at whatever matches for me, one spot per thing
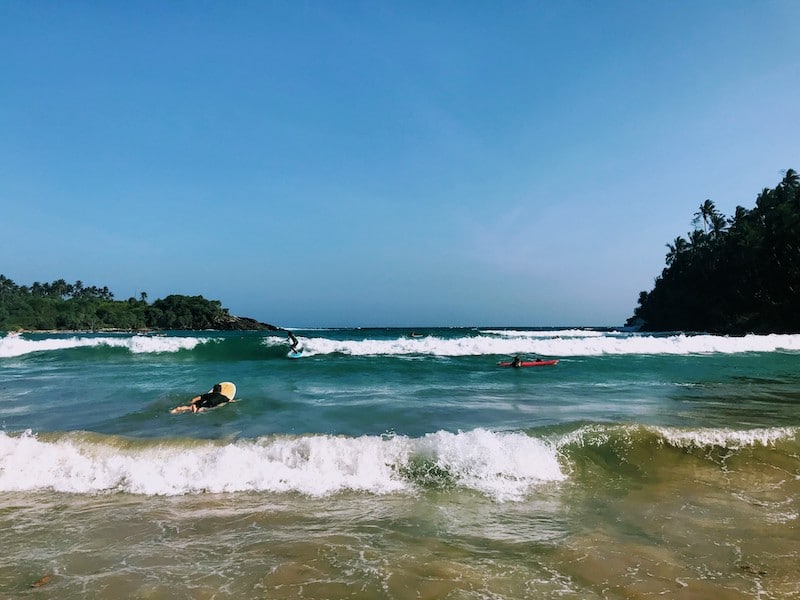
(503, 466)
(546, 343)
(13, 346)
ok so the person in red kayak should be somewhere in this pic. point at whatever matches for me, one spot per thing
(517, 362)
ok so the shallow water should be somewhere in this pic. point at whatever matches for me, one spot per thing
(384, 466)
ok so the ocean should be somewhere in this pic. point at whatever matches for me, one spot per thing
(386, 465)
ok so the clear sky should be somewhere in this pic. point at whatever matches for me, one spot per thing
(385, 163)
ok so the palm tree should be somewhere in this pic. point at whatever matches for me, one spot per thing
(706, 213)
(7, 286)
(739, 216)
(697, 239)
(675, 248)
(718, 224)
(791, 179)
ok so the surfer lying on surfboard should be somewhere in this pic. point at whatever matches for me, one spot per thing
(220, 394)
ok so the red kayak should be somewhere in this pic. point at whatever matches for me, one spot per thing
(530, 363)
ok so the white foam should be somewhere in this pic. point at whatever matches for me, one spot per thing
(725, 438)
(504, 466)
(11, 346)
(704, 437)
(557, 333)
(566, 343)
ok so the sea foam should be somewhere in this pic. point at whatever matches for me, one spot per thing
(563, 343)
(502, 466)
(15, 345)
(725, 438)
(559, 343)
(599, 435)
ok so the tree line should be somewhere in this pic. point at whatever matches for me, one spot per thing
(734, 274)
(72, 306)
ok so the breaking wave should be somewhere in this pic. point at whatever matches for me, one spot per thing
(557, 343)
(562, 343)
(15, 345)
(504, 466)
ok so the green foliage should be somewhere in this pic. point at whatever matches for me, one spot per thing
(188, 312)
(60, 306)
(734, 275)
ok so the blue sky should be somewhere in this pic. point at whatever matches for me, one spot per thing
(376, 163)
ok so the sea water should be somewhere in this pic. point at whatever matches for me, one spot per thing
(385, 465)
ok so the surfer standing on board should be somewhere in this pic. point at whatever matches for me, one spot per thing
(292, 341)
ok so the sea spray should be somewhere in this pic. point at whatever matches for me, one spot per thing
(596, 435)
(546, 343)
(13, 346)
(560, 343)
(726, 438)
(503, 466)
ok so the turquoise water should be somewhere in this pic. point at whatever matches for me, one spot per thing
(385, 465)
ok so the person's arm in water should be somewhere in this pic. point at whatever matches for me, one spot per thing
(190, 406)
(193, 404)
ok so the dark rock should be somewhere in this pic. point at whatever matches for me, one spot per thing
(228, 322)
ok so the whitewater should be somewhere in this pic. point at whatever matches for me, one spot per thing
(386, 464)
(556, 343)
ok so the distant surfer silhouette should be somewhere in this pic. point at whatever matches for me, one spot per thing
(292, 341)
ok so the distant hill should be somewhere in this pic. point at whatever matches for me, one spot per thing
(732, 275)
(63, 306)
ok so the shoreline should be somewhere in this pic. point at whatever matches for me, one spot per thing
(121, 330)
